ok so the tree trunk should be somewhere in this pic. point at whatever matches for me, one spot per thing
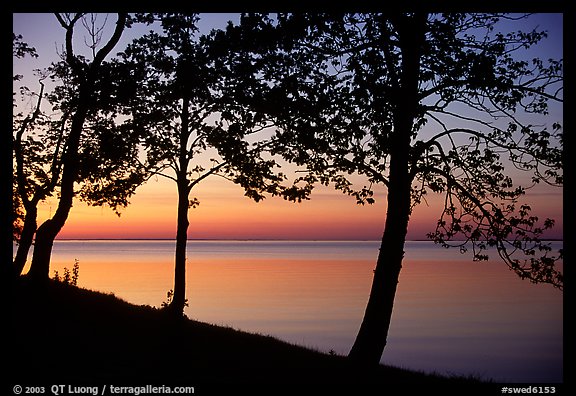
(373, 333)
(47, 232)
(179, 298)
(371, 339)
(40, 266)
(26, 238)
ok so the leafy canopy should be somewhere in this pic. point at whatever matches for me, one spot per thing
(335, 83)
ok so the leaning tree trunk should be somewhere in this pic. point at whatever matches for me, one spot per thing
(26, 238)
(373, 333)
(371, 339)
(47, 232)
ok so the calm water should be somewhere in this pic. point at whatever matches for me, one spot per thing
(451, 315)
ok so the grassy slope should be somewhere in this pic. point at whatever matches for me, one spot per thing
(63, 334)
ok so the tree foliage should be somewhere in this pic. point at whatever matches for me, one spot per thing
(479, 115)
(35, 158)
(421, 104)
(186, 107)
(222, 137)
(86, 151)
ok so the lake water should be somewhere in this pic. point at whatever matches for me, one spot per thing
(451, 315)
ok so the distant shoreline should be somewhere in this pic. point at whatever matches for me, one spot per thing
(257, 240)
(223, 239)
(247, 240)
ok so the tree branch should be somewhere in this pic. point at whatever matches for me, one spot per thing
(29, 120)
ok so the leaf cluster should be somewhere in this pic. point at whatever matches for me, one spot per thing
(337, 92)
(192, 102)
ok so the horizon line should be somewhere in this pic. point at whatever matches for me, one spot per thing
(257, 239)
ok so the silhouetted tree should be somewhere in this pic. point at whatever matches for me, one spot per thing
(89, 147)
(24, 203)
(420, 104)
(107, 170)
(36, 170)
(195, 129)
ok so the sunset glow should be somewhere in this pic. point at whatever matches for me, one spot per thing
(344, 200)
(225, 213)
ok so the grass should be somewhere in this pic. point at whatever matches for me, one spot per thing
(62, 334)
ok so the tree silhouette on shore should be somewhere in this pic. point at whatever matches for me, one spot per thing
(76, 150)
(195, 129)
(421, 104)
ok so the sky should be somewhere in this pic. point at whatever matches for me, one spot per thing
(224, 212)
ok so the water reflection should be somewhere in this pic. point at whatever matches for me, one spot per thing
(451, 315)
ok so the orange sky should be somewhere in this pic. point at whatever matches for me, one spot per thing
(224, 213)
